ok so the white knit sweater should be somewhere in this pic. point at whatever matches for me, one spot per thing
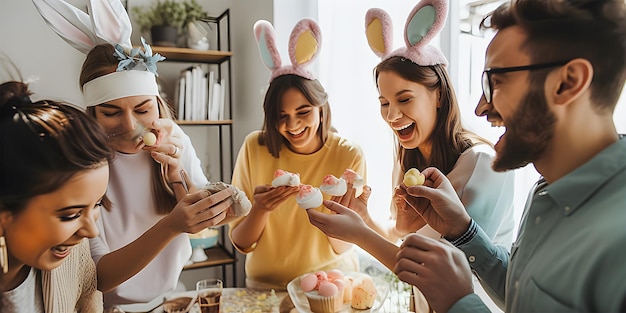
(71, 287)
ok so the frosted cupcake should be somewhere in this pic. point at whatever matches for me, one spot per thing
(334, 186)
(309, 197)
(363, 292)
(355, 179)
(324, 291)
(284, 178)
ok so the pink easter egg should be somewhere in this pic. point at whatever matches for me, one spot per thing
(308, 282)
(321, 276)
(339, 283)
(328, 289)
(335, 274)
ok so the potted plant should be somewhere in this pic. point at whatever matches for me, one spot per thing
(164, 19)
(193, 12)
(196, 31)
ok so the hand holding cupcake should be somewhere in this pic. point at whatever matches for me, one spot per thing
(310, 197)
(284, 178)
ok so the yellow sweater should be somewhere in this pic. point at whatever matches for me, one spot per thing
(290, 246)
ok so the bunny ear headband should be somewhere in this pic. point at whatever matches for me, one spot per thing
(304, 46)
(424, 22)
(108, 22)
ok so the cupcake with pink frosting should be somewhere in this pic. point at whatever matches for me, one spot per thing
(334, 186)
(324, 290)
(309, 197)
(355, 179)
(284, 178)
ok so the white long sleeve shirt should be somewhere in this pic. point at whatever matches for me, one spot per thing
(133, 213)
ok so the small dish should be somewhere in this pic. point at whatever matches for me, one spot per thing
(178, 305)
(302, 304)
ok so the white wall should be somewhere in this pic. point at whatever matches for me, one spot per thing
(39, 53)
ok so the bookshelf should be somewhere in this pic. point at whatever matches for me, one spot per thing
(223, 254)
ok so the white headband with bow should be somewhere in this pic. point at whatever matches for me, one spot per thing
(108, 22)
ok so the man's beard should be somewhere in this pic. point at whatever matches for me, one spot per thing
(527, 134)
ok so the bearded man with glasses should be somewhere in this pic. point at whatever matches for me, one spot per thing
(554, 73)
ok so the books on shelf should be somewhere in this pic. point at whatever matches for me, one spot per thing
(200, 95)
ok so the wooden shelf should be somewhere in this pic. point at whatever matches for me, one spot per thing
(204, 122)
(175, 54)
(218, 255)
(223, 254)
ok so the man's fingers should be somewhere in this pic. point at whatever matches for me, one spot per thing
(419, 242)
(423, 192)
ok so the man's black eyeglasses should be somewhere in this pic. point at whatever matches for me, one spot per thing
(486, 79)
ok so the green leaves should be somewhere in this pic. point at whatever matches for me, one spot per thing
(168, 13)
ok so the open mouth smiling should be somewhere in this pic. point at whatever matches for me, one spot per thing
(297, 133)
(404, 130)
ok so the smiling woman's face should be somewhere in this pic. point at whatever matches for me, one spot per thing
(299, 122)
(409, 108)
(44, 232)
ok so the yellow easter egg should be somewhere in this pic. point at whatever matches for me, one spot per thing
(149, 139)
(410, 180)
(420, 179)
(412, 171)
(413, 177)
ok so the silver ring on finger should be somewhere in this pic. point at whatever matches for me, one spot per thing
(175, 151)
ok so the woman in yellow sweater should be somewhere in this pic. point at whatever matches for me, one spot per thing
(297, 137)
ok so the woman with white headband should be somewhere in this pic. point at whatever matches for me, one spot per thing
(143, 243)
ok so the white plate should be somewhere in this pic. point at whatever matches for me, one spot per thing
(302, 304)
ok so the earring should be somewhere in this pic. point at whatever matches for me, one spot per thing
(4, 255)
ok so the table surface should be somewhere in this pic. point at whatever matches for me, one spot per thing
(246, 300)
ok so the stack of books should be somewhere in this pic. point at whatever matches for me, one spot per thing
(200, 95)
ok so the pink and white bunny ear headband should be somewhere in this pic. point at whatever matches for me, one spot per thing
(108, 22)
(424, 22)
(304, 45)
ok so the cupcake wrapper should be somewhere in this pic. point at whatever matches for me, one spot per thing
(319, 304)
